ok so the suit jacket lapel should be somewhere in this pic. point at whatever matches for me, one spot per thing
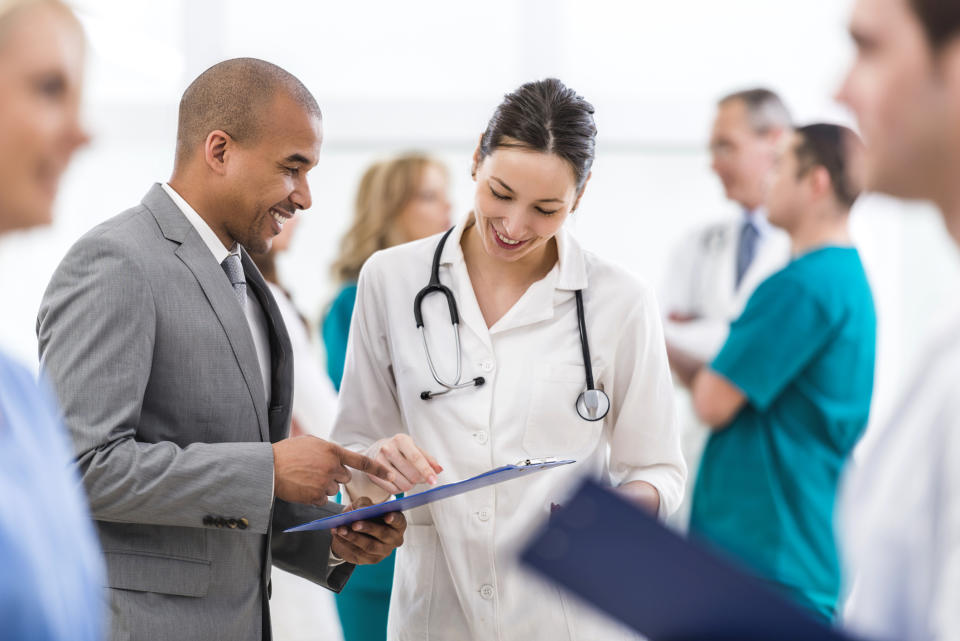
(218, 291)
(281, 352)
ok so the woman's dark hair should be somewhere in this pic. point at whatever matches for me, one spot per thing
(545, 116)
(940, 19)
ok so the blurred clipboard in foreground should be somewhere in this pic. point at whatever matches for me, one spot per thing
(498, 475)
(622, 561)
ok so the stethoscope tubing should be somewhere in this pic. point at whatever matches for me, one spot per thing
(435, 286)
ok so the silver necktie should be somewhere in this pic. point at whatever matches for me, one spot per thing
(234, 270)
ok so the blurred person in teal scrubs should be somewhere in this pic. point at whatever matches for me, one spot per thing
(788, 395)
(398, 200)
(51, 571)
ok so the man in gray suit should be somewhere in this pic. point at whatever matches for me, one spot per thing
(174, 372)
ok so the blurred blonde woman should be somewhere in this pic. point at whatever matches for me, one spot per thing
(51, 571)
(398, 200)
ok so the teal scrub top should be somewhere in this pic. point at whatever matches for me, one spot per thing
(802, 353)
(335, 329)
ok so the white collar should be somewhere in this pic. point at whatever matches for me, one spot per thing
(758, 217)
(571, 266)
(207, 235)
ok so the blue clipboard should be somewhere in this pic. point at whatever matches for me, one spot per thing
(625, 563)
(498, 475)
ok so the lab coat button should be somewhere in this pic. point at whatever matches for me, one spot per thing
(481, 436)
(486, 591)
(486, 366)
(484, 514)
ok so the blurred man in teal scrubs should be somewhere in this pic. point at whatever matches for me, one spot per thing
(788, 395)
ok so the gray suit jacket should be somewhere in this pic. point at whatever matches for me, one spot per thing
(157, 375)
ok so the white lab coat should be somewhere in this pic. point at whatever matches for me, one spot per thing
(301, 610)
(314, 398)
(456, 575)
(900, 511)
(701, 282)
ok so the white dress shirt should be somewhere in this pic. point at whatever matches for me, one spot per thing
(457, 575)
(900, 517)
(253, 311)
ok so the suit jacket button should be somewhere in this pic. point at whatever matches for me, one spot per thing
(232, 524)
(243, 524)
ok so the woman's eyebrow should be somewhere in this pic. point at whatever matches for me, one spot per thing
(539, 200)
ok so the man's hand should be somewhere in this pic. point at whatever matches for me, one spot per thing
(365, 542)
(308, 469)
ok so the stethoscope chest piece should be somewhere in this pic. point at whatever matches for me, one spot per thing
(593, 405)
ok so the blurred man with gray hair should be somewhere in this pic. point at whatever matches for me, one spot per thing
(714, 269)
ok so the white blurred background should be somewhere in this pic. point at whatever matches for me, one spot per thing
(427, 74)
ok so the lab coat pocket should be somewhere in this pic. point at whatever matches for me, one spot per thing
(412, 593)
(553, 426)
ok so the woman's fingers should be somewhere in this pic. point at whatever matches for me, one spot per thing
(409, 464)
(433, 463)
(386, 485)
(409, 474)
(425, 471)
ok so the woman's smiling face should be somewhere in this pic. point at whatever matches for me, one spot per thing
(523, 198)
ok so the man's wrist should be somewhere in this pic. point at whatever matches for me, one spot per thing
(334, 560)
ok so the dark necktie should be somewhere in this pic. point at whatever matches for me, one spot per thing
(746, 249)
(234, 270)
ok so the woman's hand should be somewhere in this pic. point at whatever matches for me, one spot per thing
(411, 465)
(642, 494)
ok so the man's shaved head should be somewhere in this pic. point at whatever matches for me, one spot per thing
(233, 96)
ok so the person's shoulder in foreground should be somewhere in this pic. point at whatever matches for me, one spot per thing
(52, 577)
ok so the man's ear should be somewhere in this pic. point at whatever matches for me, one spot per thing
(776, 134)
(215, 151)
(820, 181)
(583, 187)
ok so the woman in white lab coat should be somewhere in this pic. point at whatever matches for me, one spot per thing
(513, 271)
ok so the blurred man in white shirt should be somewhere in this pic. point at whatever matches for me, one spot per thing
(901, 513)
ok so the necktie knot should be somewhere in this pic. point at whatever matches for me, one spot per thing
(233, 268)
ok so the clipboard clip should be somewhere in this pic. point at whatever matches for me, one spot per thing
(526, 462)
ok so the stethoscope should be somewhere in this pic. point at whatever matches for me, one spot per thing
(592, 404)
